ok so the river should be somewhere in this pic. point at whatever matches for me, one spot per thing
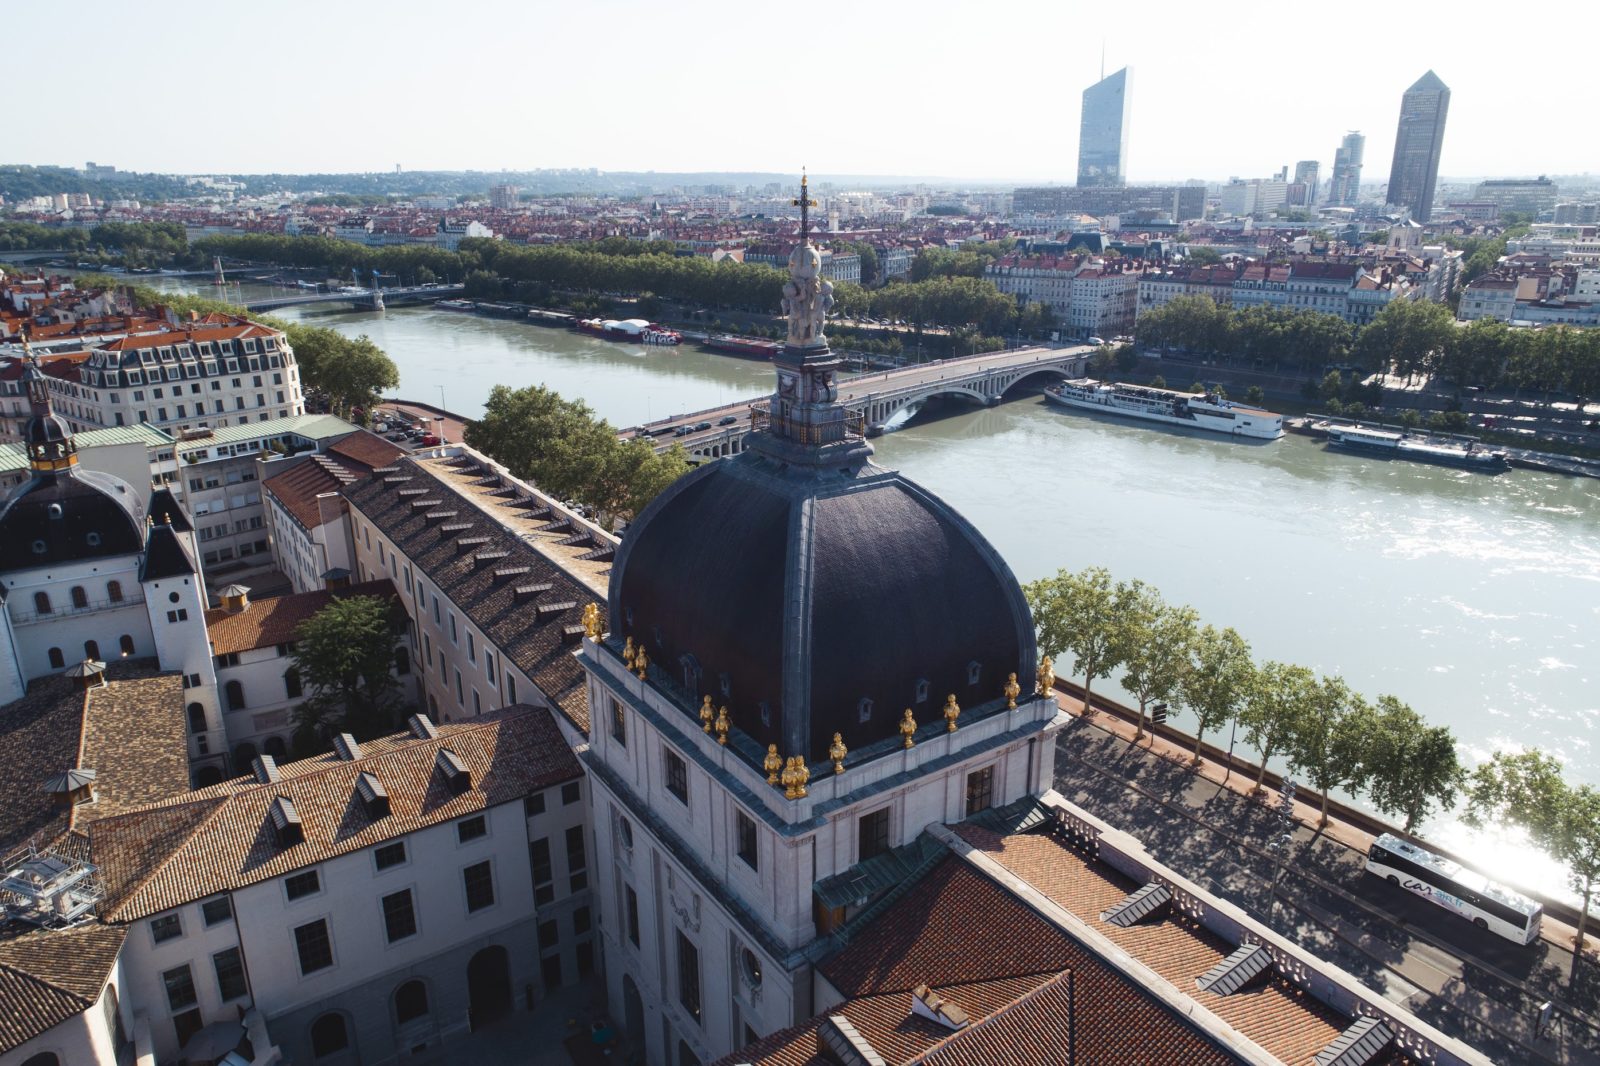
(1476, 599)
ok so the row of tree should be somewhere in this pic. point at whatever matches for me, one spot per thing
(1330, 735)
(561, 446)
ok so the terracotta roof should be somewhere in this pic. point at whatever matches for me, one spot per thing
(268, 623)
(298, 487)
(220, 838)
(208, 329)
(47, 977)
(363, 451)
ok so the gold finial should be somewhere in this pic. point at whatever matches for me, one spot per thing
(772, 764)
(724, 723)
(952, 711)
(627, 653)
(908, 727)
(592, 626)
(640, 662)
(1012, 691)
(149, 521)
(837, 751)
(1047, 676)
(795, 776)
(705, 715)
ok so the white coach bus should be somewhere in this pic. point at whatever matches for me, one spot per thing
(1454, 887)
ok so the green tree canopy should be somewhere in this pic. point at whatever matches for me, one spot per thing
(1077, 613)
(1328, 742)
(350, 372)
(1412, 767)
(1155, 642)
(1217, 681)
(1273, 705)
(345, 656)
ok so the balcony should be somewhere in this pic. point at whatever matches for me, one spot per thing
(24, 613)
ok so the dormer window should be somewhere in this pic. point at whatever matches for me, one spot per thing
(766, 712)
(922, 690)
(864, 710)
(974, 672)
(286, 822)
(725, 683)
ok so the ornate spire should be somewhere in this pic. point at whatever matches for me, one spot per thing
(47, 435)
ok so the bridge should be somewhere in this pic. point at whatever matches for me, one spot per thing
(371, 298)
(879, 398)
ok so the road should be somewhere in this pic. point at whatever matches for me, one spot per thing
(1468, 983)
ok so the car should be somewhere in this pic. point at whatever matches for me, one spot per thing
(727, 420)
(698, 426)
(380, 427)
(682, 431)
(659, 431)
(428, 440)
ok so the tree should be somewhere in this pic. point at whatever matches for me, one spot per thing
(1254, 395)
(349, 372)
(1411, 767)
(1282, 693)
(1156, 642)
(1527, 790)
(344, 655)
(1077, 613)
(1328, 741)
(1406, 337)
(1201, 255)
(1217, 681)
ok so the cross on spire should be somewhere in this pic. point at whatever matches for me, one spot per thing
(804, 203)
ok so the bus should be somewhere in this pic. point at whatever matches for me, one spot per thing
(1454, 887)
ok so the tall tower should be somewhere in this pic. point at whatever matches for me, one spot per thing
(1345, 188)
(1103, 135)
(1417, 144)
(1306, 174)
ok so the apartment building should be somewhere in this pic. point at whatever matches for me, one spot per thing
(307, 519)
(1091, 297)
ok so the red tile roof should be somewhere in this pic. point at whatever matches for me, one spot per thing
(268, 623)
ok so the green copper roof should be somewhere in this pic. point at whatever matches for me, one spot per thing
(313, 427)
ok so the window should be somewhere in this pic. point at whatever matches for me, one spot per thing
(453, 638)
(399, 916)
(477, 704)
(746, 831)
(472, 648)
(216, 911)
(313, 946)
(688, 976)
(291, 683)
(677, 776)
(57, 660)
(91, 650)
(471, 828)
(179, 983)
(580, 921)
(577, 859)
(197, 718)
(570, 793)
(234, 693)
(410, 1002)
(41, 603)
(619, 724)
(980, 790)
(187, 1024)
(549, 935)
(165, 928)
(479, 881)
(80, 598)
(329, 1035)
(390, 855)
(296, 886)
(126, 643)
(544, 890)
(511, 688)
(873, 834)
(630, 908)
(533, 805)
(550, 971)
(230, 974)
(182, 613)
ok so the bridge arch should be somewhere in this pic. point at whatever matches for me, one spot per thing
(1055, 373)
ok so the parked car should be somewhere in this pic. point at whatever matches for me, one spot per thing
(727, 420)
(428, 440)
(698, 426)
(682, 431)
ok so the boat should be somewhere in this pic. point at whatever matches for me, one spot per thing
(1399, 444)
(749, 347)
(456, 305)
(632, 330)
(1197, 410)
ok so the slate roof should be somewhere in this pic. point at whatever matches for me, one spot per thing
(97, 518)
(536, 643)
(221, 838)
(165, 555)
(270, 622)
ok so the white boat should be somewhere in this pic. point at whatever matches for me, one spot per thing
(1198, 410)
(1395, 444)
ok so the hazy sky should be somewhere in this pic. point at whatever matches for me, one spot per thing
(977, 90)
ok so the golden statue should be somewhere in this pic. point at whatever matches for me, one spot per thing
(795, 776)
(908, 727)
(705, 714)
(1047, 676)
(837, 751)
(724, 723)
(592, 626)
(1012, 691)
(772, 764)
(640, 662)
(952, 711)
(627, 653)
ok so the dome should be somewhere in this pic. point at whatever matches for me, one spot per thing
(69, 517)
(812, 604)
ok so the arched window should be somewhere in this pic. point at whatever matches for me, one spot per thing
(275, 747)
(235, 693)
(41, 602)
(291, 683)
(864, 709)
(57, 660)
(329, 1035)
(43, 1058)
(80, 598)
(127, 644)
(974, 672)
(197, 718)
(91, 650)
(243, 756)
(410, 1002)
(402, 661)
(114, 591)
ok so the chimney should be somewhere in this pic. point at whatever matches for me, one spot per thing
(235, 598)
(926, 1003)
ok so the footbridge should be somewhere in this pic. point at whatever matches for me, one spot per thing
(877, 399)
(369, 298)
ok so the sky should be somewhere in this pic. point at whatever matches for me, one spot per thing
(981, 91)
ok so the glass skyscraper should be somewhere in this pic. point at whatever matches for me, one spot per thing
(1417, 144)
(1345, 188)
(1103, 137)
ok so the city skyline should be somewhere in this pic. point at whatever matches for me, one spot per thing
(905, 98)
(1105, 129)
(1414, 172)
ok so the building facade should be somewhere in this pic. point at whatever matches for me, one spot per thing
(1344, 190)
(1414, 173)
(1103, 131)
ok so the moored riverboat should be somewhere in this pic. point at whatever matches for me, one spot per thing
(631, 330)
(748, 347)
(1197, 410)
(1398, 444)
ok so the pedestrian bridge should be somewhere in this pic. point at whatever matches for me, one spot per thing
(878, 398)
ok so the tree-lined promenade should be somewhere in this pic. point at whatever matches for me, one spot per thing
(1331, 736)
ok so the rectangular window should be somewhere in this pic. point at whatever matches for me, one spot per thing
(550, 971)
(461, 693)
(677, 776)
(577, 859)
(544, 889)
(746, 831)
(472, 648)
(619, 724)
(477, 704)
(298, 885)
(631, 907)
(230, 974)
(488, 666)
(390, 855)
(533, 805)
(873, 830)
(313, 946)
(187, 1024)
(471, 828)
(570, 793)
(180, 988)
(165, 928)
(216, 911)
(479, 881)
(580, 921)
(399, 916)
(688, 976)
(453, 637)
(549, 935)
(511, 688)
(980, 790)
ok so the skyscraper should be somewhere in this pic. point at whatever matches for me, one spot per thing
(1417, 143)
(1103, 137)
(1306, 175)
(1345, 187)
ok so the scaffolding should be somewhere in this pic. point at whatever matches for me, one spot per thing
(47, 889)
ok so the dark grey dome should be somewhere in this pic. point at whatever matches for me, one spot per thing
(66, 517)
(812, 604)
